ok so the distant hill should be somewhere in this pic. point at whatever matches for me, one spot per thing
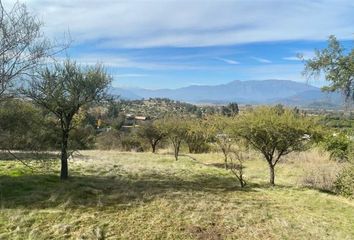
(244, 92)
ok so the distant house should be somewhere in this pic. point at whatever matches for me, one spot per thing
(132, 121)
(141, 118)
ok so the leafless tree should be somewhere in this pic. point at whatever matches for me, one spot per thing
(23, 47)
(236, 162)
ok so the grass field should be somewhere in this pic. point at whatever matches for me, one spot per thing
(113, 195)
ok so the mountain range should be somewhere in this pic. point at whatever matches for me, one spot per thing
(244, 92)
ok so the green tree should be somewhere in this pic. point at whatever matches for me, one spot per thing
(197, 135)
(175, 128)
(275, 135)
(21, 126)
(151, 133)
(62, 90)
(220, 128)
(337, 65)
(230, 110)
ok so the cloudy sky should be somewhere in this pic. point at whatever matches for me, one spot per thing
(170, 44)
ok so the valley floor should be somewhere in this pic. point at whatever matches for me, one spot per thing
(113, 195)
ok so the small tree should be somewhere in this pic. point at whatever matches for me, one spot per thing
(63, 89)
(336, 65)
(175, 129)
(236, 165)
(275, 135)
(230, 110)
(151, 133)
(221, 128)
(197, 135)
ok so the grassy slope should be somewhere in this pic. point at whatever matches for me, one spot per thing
(144, 196)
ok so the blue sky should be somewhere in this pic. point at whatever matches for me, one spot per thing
(171, 44)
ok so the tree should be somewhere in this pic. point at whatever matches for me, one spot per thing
(275, 135)
(62, 90)
(152, 133)
(230, 110)
(20, 127)
(221, 130)
(175, 128)
(336, 65)
(22, 45)
(236, 164)
(197, 135)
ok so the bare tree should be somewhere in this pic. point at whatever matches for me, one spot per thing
(236, 165)
(22, 45)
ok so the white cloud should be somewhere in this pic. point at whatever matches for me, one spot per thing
(139, 24)
(261, 60)
(228, 61)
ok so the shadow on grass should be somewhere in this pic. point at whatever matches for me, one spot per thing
(44, 191)
(26, 156)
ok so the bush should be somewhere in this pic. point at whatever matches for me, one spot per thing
(344, 184)
(108, 140)
(321, 177)
(319, 171)
(131, 143)
(338, 145)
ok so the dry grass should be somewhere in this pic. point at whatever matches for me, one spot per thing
(113, 195)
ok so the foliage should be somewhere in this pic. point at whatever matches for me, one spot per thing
(131, 142)
(176, 129)
(220, 128)
(275, 134)
(151, 133)
(110, 140)
(197, 135)
(338, 145)
(63, 90)
(230, 110)
(336, 65)
(20, 127)
(345, 182)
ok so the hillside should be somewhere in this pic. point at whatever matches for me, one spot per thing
(244, 92)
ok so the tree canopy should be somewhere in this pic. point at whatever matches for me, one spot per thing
(62, 90)
(275, 134)
(337, 65)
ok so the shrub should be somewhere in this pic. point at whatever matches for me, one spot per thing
(338, 145)
(322, 176)
(108, 140)
(344, 185)
(131, 143)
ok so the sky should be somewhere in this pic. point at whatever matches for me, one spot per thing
(172, 44)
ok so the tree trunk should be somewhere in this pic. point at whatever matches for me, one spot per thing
(225, 157)
(176, 150)
(153, 147)
(64, 155)
(271, 175)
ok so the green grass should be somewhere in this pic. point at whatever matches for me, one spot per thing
(113, 195)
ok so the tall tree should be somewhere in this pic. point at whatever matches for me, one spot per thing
(337, 65)
(63, 89)
(23, 47)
